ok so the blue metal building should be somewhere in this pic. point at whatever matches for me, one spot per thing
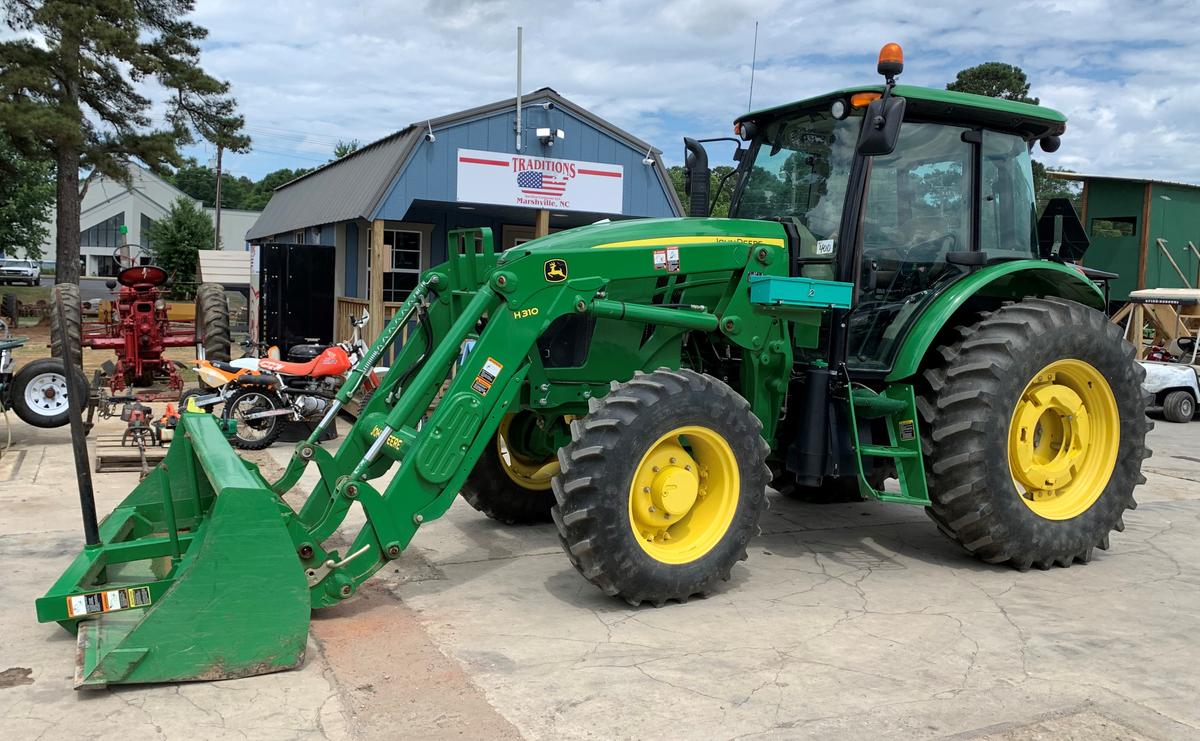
(386, 208)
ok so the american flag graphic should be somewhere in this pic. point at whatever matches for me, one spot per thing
(535, 183)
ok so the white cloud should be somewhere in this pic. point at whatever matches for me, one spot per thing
(308, 72)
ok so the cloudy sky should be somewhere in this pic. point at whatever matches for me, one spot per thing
(308, 73)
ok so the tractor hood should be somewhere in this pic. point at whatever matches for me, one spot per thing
(653, 233)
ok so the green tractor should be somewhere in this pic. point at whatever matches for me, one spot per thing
(878, 319)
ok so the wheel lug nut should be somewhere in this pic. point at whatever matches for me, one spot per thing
(653, 510)
(672, 460)
(646, 489)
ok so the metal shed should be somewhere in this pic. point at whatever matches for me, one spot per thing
(1147, 231)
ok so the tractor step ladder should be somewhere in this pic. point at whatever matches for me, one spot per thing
(897, 406)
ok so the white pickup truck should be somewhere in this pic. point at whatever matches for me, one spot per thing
(17, 270)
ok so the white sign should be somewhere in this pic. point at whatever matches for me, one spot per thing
(539, 182)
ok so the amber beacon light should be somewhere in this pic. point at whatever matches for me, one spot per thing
(891, 60)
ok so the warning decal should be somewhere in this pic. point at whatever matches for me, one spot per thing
(487, 376)
(667, 259)
(108, 601)
(908, 430)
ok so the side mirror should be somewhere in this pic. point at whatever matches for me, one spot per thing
(881, 126)
(697, 176)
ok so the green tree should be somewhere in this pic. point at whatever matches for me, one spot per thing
(344, 148)
(1000, 80)
(26, 197)
(260, 193)
(200, 182)
(720, 206)
(1047, 187)
(176, 240)
(995, 80)
(73, 95)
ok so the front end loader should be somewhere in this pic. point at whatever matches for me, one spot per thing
(878, 319)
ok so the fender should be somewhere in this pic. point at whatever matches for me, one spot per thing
(1008, 281)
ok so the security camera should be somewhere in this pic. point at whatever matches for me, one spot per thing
(647, 161)
(548, 105)
(429, 137)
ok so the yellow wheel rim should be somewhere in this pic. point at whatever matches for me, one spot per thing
(1063, 439)
(684, 494)
(526, 473)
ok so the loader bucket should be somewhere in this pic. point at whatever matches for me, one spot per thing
(195, 576)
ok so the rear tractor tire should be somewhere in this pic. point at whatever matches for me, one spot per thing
(67, 295)
(212, 322)
(662, 486)
(510, 485)
(1035, 431)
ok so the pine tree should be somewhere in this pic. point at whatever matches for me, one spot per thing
(76, 99)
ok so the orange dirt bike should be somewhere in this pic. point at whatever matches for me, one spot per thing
(215, 375)
(263, 401)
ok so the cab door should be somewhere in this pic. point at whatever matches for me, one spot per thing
(918, 208)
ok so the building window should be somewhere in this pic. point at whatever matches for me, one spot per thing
(106, 266)
(1114, 226)
(147, 243)
(403, 251)
(300, 237)
(105, 234)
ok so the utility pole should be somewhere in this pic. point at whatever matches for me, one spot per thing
(217, 227)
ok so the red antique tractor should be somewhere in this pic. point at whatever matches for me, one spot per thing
(138, 329)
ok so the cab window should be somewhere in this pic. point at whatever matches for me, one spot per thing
(1007, 206)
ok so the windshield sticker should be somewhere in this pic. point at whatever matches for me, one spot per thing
(825, 246)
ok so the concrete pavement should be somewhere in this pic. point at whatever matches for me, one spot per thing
(848, 621)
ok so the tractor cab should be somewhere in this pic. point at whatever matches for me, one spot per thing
(899, 190)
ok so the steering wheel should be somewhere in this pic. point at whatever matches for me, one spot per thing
(125, 260)
(932, 247)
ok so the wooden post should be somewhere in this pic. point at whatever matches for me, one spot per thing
(542, 225)
(1144, 242)
(375, 289)
(1083, 199)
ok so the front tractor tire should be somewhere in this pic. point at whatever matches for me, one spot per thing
(662, 486)
(1035, 434)
(511, 485)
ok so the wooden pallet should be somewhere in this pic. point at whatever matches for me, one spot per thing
(112, 456)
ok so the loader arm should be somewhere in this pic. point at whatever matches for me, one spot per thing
(514, 301)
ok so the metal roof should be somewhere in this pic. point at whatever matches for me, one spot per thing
(1059, 175)
(351, 187)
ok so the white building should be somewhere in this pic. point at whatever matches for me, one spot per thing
(108, 205)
